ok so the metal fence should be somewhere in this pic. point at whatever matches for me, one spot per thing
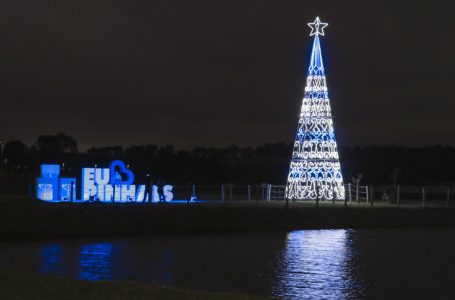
(357, 193)
(222, 192)
(424, 195)
(400, 195)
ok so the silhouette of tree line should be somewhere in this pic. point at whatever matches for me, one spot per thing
(232, 164)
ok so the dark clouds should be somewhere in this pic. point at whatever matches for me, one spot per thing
(220, 72)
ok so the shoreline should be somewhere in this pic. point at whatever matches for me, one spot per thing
(31, 219)
(37, 286)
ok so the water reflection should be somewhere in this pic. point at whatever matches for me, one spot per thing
(95, 261)
(316, 265)
(162, 271)
(51, 256)
(307, 264)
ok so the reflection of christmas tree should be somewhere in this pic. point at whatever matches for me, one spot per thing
(315, 166)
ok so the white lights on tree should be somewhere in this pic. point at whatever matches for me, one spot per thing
(317, 28)
(315, 167)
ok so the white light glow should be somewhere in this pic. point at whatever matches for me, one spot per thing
(317, 28)
(315, 167)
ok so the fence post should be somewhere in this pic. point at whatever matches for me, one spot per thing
(249, 193)
(193, 192)
(398, 196)
(350, 192)
(317, 195)
(357, 194)
(423, 196)
(269, 191)
(366, 192)
(372, 196)
(222, 193)
(448, 196)
(345, 201)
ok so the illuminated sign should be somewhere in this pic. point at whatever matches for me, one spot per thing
(113, 184)
(50, 187)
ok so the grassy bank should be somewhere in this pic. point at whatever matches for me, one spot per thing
(20, 286)
(34, 219)
(29, 218)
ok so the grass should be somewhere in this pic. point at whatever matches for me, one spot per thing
(37, 287)
(30, 218)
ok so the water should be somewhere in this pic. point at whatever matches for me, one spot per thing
(306, 264)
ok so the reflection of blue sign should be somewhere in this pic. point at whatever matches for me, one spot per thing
(50, 187)
(113, 184)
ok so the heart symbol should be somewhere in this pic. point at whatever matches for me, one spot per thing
(123, 172)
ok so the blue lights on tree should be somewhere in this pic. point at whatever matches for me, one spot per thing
(315, 166)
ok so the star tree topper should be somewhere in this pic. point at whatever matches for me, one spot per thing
(317, 28)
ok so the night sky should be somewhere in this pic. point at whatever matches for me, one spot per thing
(214, 73)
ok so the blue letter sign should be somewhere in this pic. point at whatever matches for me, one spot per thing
(110, 185)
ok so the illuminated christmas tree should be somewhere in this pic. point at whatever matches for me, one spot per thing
(315, 167)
